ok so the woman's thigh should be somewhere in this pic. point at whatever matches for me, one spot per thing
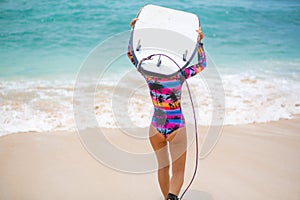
(160, 146)
(178, 145)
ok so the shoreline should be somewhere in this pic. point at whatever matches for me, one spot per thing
(254, 161)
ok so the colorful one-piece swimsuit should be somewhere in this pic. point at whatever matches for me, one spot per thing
(165, 93)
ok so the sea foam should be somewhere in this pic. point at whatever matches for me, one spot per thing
(44, 105)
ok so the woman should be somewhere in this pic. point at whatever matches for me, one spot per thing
(168, 124)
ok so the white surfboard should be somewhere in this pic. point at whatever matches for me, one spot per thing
(161, 30)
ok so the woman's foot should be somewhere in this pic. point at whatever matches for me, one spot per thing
(172, 197)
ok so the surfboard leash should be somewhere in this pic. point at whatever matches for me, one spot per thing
(195, 119)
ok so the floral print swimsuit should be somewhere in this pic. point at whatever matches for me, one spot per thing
(165, 93)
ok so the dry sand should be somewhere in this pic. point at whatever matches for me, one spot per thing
(255, 162)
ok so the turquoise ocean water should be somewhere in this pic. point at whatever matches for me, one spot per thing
(250, 41)
(42, 37)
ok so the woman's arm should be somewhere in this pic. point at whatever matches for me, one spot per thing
(129, 50)
(130, 56)
(195, 69)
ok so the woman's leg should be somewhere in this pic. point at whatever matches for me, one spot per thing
(160, 146)
(178, 144)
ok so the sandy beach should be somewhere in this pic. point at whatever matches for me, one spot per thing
(256, 161)
(65, 66)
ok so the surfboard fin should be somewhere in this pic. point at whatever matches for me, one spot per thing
(158, 62)
(184, 55)
(138, 46)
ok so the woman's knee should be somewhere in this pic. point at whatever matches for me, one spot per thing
(163, 169)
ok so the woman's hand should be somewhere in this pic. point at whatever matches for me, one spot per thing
(201, 35)
(133, 21)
